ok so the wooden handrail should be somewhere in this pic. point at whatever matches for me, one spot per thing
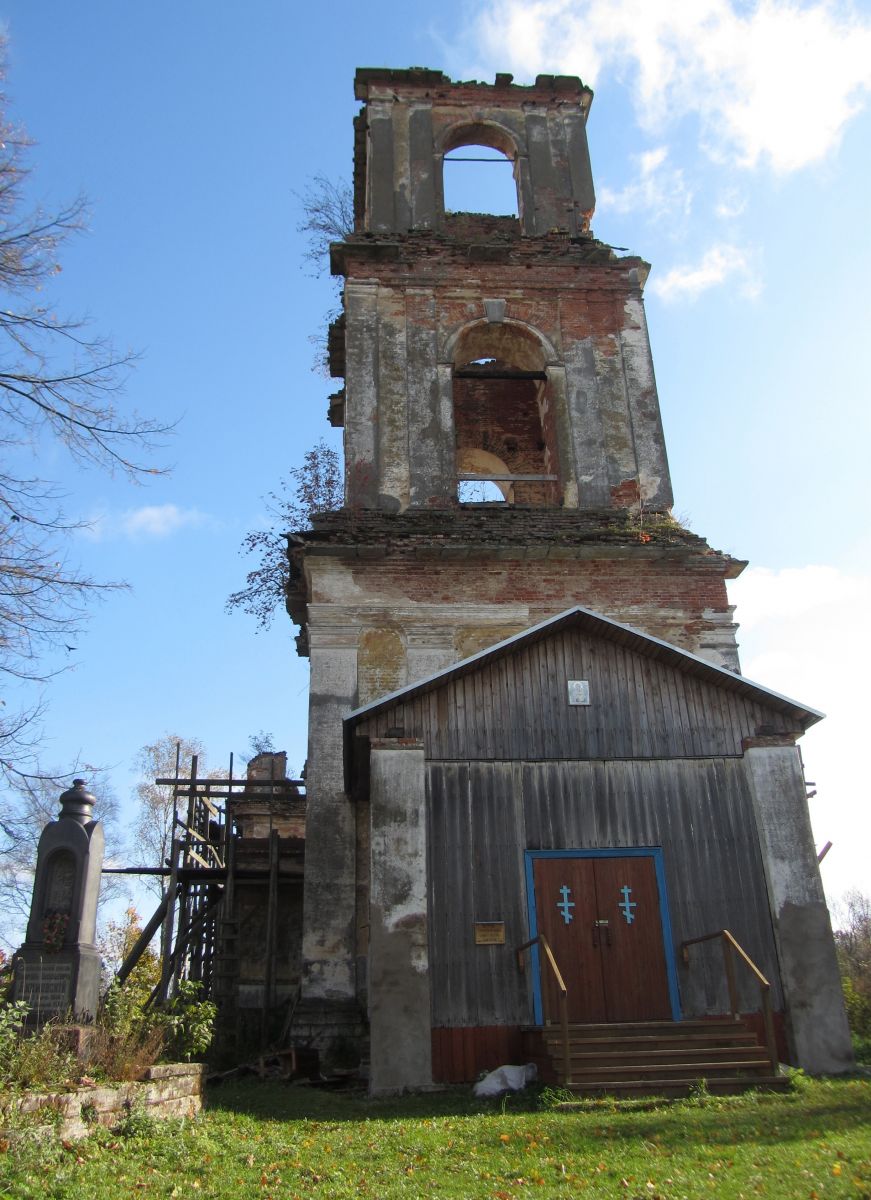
(563, 997)
(729, 943)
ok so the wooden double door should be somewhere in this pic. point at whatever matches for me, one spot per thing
(603, 921)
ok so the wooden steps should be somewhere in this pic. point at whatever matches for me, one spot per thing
(653, 1057)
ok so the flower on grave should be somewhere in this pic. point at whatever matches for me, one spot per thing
(54, 930)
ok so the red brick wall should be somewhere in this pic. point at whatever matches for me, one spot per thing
(664, 599)
(503, 417)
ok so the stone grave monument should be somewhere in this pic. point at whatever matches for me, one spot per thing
(57, 970)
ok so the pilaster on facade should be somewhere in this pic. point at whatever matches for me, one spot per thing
(817, 1023)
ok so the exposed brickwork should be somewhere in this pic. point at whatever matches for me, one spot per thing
(550, 531)
(548, 587)
(504, 418)
(411, 81)
(563, 97)
(380, 663)
(485, 239)
(656, 576)
(470, 639)
(569, 291)
(649, 595)
(572, 314)
(627, 494)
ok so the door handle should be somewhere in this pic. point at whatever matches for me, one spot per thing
(598, 926)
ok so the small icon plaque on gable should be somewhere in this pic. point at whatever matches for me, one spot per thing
(579, 691)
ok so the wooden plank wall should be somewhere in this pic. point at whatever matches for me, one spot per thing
(482, 815)
(459, 1055)
(654, 760)
(516, 707)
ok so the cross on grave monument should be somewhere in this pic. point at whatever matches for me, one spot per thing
(57, 970)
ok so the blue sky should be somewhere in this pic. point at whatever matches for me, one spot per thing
(730, 147)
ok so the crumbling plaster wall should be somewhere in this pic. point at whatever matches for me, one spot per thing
(411, 129)
(329, 883)
(403, 330)
(817, 1027)
(399, 982)
(429, 611)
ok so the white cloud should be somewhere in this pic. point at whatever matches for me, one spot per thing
(798, 591)
(773, 80)
(149, 521)
(659, 189)
(717, 265)
(803, 632)
(730, 205)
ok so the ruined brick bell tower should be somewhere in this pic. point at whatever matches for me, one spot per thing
(502, 357)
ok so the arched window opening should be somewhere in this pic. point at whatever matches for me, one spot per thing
(479, 491)
(481, 171)
(503, 417)
(480, 180)
(482, 478)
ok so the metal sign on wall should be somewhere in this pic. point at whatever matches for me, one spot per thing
(489, 933)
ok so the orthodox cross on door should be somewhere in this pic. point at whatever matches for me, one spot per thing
(627, 906)
(613, 963)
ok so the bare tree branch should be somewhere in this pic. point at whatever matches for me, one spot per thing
(316, 486)
(59, 384)
(327, 216)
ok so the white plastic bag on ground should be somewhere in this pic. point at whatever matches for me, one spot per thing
(506, 1079)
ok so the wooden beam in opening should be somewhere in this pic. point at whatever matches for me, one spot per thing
(484, 372)
(469, 476)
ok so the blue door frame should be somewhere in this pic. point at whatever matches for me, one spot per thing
(654, 852)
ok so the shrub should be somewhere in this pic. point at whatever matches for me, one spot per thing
(35, 1058)
(189, 1022)
(132, 1036)
(5, 977)
(12, 1018)
(127, 1039)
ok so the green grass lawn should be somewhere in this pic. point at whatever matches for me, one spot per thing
(274, 1140)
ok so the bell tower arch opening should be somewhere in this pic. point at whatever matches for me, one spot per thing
(475, 157)
(503, 416)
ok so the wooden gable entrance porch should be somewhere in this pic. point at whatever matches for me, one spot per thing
(498, 771)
